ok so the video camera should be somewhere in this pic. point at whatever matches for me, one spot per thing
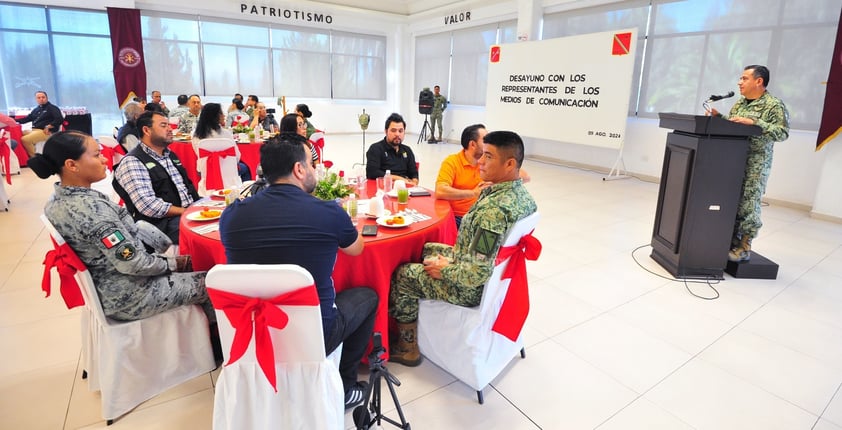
(426, 99)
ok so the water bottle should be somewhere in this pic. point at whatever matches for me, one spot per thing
(352, 208)
(387, 182)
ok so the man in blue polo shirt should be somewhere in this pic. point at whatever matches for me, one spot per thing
(285, 224)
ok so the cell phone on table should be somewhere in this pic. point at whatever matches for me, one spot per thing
(370, 230)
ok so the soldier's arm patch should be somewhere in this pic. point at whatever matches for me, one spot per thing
(485, 242)
(112, 239)
(125, 252)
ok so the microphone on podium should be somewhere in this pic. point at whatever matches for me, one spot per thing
(714, 98)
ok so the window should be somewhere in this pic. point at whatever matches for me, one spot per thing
(297, 51)
(458, 61)
(70, 76)
(699, 48)
(358, 67)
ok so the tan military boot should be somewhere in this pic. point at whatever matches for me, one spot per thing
(406, 351)
(741, 252)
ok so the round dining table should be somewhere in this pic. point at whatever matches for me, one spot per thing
(383, 253)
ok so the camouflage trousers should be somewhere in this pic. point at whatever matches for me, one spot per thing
(158, 295)
(410, 282)
(758, 165)
(435, 121)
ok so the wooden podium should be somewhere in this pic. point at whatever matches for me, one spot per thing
(701, 180)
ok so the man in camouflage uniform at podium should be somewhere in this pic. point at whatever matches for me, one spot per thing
(756, 107)
(458, 274)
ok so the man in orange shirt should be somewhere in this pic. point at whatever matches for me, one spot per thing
(458, 179)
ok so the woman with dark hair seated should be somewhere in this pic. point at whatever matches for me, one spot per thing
(132, 283)
(304, 111)
(294, 124)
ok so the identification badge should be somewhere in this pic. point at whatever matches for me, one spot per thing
(485, 243)
(126, 252)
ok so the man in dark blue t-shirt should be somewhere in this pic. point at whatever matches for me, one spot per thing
(285, 224)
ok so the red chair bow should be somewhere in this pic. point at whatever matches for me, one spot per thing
(5, 155)
(515, 306)
(213, 172)
(108, 152)
(67, 263)
(241, 311)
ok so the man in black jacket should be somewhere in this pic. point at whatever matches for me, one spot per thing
(45, 118)
(151, 180)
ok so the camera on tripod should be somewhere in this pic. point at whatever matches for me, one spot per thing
(270, 113)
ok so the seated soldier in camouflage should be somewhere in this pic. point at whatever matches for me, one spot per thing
(457, 274)
(132, 283)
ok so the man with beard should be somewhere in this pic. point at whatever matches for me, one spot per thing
(151, 180)
(391, 154)
(306, 231)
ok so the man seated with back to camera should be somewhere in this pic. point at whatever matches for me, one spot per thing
(391, 154)
(458, 274)
(151, 180)
(306, 231)
(128, 136)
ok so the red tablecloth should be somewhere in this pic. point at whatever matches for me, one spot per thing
(249, 154)
(373, 268)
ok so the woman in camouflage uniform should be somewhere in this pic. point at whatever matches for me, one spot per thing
(132, 283)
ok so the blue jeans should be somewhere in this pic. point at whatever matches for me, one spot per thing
(352, 327)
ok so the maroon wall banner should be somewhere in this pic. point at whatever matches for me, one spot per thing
(127, 46)
(831, 125)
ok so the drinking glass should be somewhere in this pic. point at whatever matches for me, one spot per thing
(403, 196)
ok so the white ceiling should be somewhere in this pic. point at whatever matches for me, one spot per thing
(400, 7)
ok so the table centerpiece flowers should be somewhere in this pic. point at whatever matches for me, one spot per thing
(331, 187)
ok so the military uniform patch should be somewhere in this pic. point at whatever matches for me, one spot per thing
(112, 239)
(485, 243)
(126, 252)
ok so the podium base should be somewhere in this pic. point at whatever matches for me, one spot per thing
(758, 267)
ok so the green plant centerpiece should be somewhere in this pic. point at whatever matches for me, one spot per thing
(332, 188)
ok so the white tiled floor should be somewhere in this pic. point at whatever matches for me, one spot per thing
(610, 346)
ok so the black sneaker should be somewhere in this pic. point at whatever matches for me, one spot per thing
(356, 394)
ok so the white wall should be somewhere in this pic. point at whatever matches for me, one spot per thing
(800, 176)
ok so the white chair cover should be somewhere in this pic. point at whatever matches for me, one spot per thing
(459, 339)
(310, 394)
(227, 165)
(111, 142)
(14, 162)
(131, 362)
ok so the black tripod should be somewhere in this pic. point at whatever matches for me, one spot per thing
(362, 418)
(423, 135)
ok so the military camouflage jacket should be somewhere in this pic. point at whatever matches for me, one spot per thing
(439, 104)
(108, 241)
(769, 113)
(482, 232)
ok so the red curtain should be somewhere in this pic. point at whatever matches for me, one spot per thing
(127, 47)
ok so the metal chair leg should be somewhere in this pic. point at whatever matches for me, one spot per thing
(523, 352)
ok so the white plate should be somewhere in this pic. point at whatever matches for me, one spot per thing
(221, 193)
(382, 221)
(197, 216)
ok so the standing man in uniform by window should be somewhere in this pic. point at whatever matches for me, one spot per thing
(439, 105)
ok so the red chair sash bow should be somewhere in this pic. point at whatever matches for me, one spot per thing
(515, 306)
(67, 263)
(213, 172)
(108, 152)
(5, 155)
(255, 315)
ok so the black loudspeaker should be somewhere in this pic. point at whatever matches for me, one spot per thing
(425, 101)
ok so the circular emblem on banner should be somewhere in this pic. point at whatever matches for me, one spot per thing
(129, 57)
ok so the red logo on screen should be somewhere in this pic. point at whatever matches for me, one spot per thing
(495, 54)
(622, 44)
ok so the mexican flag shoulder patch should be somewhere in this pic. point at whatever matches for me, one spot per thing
(113, 239)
